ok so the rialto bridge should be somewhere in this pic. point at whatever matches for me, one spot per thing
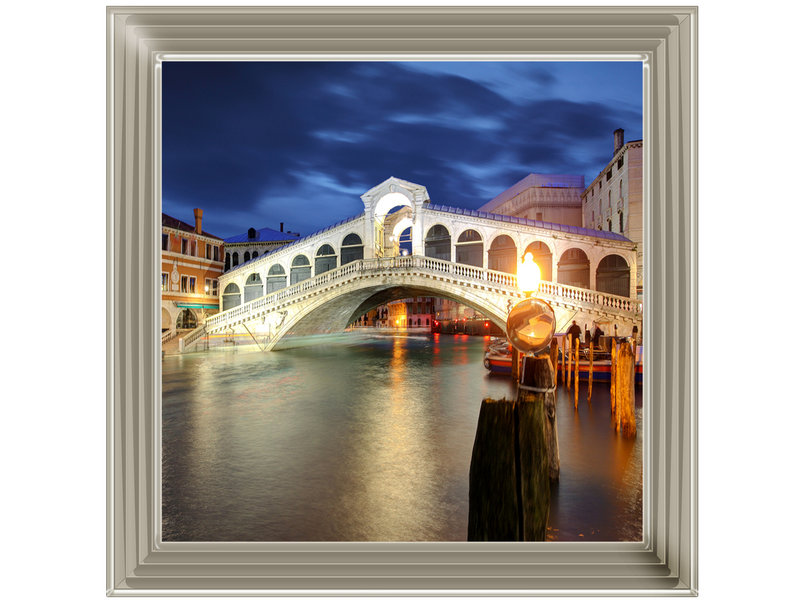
(325, 281)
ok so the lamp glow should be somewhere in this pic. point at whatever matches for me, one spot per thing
(528, 275)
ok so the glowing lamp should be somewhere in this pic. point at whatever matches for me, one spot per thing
(531, 326)
(528, 275)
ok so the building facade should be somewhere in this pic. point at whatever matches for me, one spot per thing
(254, 243)
(192, 263)
(613, 201)
(552, 198)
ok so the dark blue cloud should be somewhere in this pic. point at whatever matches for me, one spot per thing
(255, 144)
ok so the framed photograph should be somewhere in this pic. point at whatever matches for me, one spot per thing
(170, 534)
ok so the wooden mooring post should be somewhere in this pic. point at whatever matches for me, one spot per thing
(509, 476)
(577, 367)
(564, 360)
(626, 415)
(554, 360)
(591, 370)
(613, 376)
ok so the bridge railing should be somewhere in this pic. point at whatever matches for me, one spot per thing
(445, 267)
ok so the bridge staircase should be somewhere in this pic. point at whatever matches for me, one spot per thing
(493, 293)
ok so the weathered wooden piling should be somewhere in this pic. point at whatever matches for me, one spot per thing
(564, 359)
(577, 367)
(626, 415)
(554, 360)
(539, 374)
(515, 365)
(613, 376)
(591, 370)
(509, 476)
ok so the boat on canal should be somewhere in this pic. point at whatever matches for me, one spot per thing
(498, 359)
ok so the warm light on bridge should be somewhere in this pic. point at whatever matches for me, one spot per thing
(528, 275)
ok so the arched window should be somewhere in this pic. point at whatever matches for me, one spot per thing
(573, 268)
(227, 263)
(253, 288)
(235, 259)
(469, 249)
(614, 276)
(246, 256)
(325, 259)
(437, 243)
(231, 296)
(252, 234)
(502, 255)
(621, 189)
(276, 279)
(300, 269)
(621, 221)
(351, 249)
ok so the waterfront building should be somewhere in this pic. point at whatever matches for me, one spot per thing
(254, 243)
(192, 262)
(552, 198)
(613, 202)
(411, 313)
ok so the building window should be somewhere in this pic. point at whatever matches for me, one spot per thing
(621, 189)
(215, 287)
(609, 225)
(593, 215)
(165, 242)
(184, 284)
(208, 286)
(216, 254)
(184, 246)
(608, 175)
(609, 199)
(620, 162)
(621, 222)
(191, 288)
(208, 253)
(539, 216)
(192, 248)
(164, 281)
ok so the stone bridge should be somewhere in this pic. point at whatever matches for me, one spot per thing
(325, 281)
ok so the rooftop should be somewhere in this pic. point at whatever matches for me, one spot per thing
(263, 235)
(171, 222)
(535, 181)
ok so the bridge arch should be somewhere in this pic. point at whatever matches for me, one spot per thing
(438, 242)
(253, 287)
(300, 269)
(231, 296)
(503, 254)
(573, 268)
(276, 279)
(543, 257)
(469, 248)
(351, 248)
(613, 275)
(325, 259)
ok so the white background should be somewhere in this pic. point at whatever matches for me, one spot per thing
(53, 361)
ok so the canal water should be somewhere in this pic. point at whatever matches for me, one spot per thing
(368, 438)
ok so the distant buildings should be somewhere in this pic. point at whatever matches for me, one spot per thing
(545, 197)
(254, 243)
(192, 262)
(613, 202)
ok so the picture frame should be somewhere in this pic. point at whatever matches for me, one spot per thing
(664, 39)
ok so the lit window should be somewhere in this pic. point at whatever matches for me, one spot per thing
(192, 285)
(215, 287)
(164, 281)
(208, 286)
(184, 284)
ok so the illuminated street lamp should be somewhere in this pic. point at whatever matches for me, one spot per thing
(531, 323)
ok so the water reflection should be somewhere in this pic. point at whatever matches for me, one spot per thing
(366, 442)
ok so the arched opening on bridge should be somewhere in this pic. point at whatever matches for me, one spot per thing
(573, 268)
(231, 296)
(543, 258)
(502, 255)
(165, 320)
(300, 269)
(614, 276)
(186, 319)
(390, 204)
(469, 248)
(351, 249)
(325, 259)
(253, 287)
(437, 243)
(276, 279)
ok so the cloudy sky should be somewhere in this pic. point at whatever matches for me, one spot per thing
(258, 143)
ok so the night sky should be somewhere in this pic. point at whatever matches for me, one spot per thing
(258, 143)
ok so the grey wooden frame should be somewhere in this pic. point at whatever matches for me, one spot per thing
(138, 39)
